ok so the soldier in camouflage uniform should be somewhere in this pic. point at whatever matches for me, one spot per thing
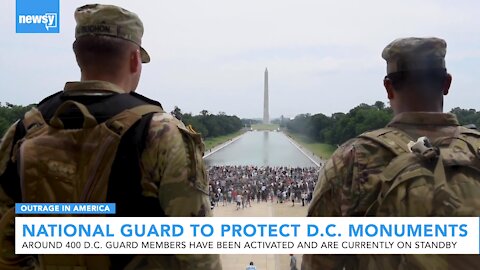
(110, 56)
(350, 182)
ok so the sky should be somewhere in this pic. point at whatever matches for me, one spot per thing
(322, 56)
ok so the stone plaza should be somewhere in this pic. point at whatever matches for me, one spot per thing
(261, 209)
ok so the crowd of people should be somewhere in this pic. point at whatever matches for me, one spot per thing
(243, 184)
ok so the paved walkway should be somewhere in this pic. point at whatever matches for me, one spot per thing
(263, 209)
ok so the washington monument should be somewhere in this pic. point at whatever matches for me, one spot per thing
(266, 117)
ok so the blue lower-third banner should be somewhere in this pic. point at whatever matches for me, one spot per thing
(246, 235)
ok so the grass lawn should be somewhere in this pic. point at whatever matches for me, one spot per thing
(212, 142)
(265, 126)
(322, 150)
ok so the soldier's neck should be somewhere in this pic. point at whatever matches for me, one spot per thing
(123, 83)
(437, 109)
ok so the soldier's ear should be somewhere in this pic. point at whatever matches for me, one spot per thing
(387, 83)
(446, 84)
(135, 61)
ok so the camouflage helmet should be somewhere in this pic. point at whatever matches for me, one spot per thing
(109, 20)
(413, 53)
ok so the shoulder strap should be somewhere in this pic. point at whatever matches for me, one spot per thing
(147, 112)
(129, 152)
(146, 109)
(121, 183)
(396, 141)
(102, 107)
(391, 138)
(445, 199)
(471, 137)
(121, 122)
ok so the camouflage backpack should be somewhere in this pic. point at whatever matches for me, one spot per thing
(439, 178)
(70, 165)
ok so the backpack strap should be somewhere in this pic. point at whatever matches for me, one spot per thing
(121, 122)
(471, 137)
(396, 141)
(444, 197)
(139, 117)
(146, 109)
(103, 107)
(464, 149)
(89, 120)
(391, 138)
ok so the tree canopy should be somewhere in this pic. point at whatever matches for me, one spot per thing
(210, 125)
(340, 127)
(10, 113)
(334, 129)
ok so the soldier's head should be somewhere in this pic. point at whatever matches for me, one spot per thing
(108, 45)
(417, 77)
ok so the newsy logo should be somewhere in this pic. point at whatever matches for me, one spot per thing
(38, 16)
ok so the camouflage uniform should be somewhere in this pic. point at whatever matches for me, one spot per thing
(172, 170)
(171, 164)
(349, 183)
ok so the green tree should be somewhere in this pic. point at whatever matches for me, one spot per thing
(340, 127)
(10, 113)
(210, 125)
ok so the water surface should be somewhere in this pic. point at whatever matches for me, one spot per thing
(260, 148)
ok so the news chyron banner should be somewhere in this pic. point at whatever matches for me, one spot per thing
(43, 234)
